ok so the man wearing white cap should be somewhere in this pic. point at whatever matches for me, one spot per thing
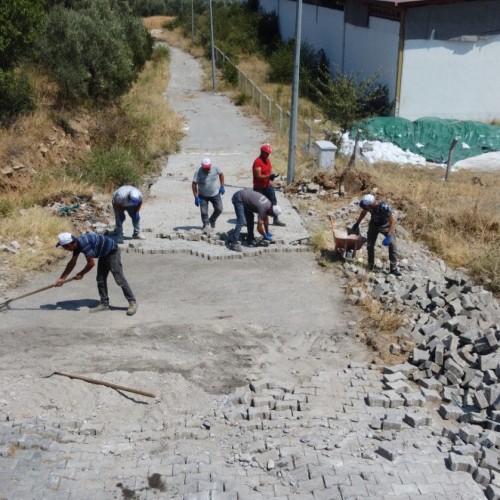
(382, 221)
(247, 203)
(127, 199)
(106, 251)
(208, 186)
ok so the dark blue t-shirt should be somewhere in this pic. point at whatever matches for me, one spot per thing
(94, 245)
(380, 214)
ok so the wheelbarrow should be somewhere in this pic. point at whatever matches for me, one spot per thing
(346, 245)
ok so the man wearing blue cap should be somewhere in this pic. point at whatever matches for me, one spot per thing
(382, 222)
(127, 199)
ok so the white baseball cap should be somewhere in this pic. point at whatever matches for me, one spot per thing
(206, 163)
(367, 200)
(277, 210)
(64, 239)
(134, 196)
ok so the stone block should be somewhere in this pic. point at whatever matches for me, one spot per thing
(381, 400)
(482, 476)
(490, 459)
(462, 463)
(414, 399)
(430, 395)
(391, 423)
(417, 419)
(388, 452)
(450, 412)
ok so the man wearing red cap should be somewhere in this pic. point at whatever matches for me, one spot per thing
(208, 186)
(263, 176)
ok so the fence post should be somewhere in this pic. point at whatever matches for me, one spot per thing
(280, 117)
(269, 108)
(450, 155)
(309, 134)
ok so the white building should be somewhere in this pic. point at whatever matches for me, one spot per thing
(438, 58)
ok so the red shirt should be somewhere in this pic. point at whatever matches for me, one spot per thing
(265, 169)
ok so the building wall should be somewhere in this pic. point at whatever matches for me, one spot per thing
(321, 28)
(364, 51)
(373, 49)
(450, 79)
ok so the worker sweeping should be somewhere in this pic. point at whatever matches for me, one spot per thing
(382, 222)
(106, 251)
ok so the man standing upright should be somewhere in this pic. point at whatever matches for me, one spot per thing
(106, 251)
(127, 199)
(263, 176)
(208, 186)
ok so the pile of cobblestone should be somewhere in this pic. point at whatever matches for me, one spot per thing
(452, 338)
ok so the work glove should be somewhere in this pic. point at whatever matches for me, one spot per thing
(121, 216)
(354, 229)
(197, 201)
(272, 177)
(269, 235)
(222, 190)
(387, 240)
(137, 216)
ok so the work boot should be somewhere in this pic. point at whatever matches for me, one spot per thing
(206, 229)
(132, 308)
(119, 240)
(139, 236)
(277, 222)
(99, 308)
(236, 247)
(212, 225)
(395, 272)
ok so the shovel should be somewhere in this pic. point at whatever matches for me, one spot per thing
(2, 304)
(100, 382)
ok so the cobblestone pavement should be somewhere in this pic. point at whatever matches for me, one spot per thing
(344, 431)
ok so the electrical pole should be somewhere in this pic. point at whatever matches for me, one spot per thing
(213, 45)
(295, 97)
(192, 21)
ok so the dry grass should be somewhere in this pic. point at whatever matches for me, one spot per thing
(36, 229)
(146, 103)
(459, 220)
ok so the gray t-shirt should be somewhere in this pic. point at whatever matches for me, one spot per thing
(208, 182)
(255, 202)
(121, 196)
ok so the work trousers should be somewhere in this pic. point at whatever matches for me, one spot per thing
(216, 202)
(112, 262)
(373, 232)
(270, 193)
(119, 222)
(239, 210)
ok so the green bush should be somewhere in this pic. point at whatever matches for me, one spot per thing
(242, 99)
(94, 52)
(230, 73)
(108, 168)
(348, 98)
(16, 96)
(6, 207)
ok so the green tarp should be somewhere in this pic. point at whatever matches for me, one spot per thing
(432, 137)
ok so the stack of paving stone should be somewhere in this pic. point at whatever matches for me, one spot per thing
(455, 358)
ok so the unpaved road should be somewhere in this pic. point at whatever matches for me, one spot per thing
(253, 362)
(206, 325)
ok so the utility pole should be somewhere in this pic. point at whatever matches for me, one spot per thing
(213, 45)
(295, 97)
(192, 21)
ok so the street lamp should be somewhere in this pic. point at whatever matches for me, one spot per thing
(213, 45)
(295, 97)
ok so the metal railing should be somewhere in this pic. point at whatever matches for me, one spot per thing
(268, 108)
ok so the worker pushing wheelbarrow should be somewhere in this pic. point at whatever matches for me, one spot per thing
(346, 243)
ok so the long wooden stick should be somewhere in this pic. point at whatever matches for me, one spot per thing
(107, 384)
(33, 292)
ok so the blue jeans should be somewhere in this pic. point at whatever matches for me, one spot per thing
(112, 262)
(239, 210)
(216, 202)
(119, 223)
